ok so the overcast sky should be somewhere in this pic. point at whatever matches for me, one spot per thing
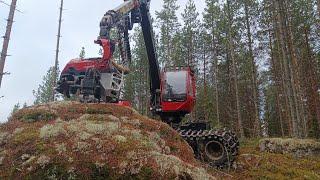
(33, 41)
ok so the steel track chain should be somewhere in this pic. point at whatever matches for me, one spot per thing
(225, 137)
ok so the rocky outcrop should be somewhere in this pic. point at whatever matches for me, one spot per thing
(297, 147)
(69, 140)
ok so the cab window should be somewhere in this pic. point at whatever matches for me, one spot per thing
(175, 87)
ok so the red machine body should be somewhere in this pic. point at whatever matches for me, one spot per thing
(124, 103)
(178, 90)
(101, 64)
(82, 65)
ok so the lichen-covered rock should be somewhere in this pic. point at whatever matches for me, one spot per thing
(70, 140)
(297, 147)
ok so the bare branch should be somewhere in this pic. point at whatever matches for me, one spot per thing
(2, 2)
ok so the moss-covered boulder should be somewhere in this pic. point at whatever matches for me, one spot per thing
(296, 147)
(69, 140)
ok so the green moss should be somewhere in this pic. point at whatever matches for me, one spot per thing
(250, 143)
(26, 135)
(97, 111)
(74, 110)
(100, 173)
(51, 171)
(123, 148)
(96, 118)
(40, 146)
(174, 149)
(283, 167)
(164, 132)
(38, 115)
(43, 148)
(146, 173)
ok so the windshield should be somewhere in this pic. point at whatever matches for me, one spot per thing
(175, 86)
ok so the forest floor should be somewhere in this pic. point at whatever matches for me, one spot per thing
(253, 164)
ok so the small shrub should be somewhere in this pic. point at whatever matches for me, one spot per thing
(37, 115)
(25, 136)
(146, 173)
(97, 111)
(100, 173)
(51, 171)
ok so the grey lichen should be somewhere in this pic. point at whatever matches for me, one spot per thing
(120, 139)
(113, 118)
(43, 161)
(172, 164)
(49, 131)
(82, 147)
(61, 148)
(4, 137)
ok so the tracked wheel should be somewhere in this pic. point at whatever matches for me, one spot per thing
(214, 151)
(218, 148)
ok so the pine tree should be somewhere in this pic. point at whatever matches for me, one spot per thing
(190, 33)
(44, 92)
(82, 54)
(231, 46)
(318, 5)
(211, 18)
(25, 105)
(167, 22)
(250, 9)
(137, 88)
(16, 107)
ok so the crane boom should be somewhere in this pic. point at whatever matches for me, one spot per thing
(139, 10)
(154, 70)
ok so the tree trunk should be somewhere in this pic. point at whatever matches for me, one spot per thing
(253, 75)
(7, 38)
(215, 76)
(319, 7)
(288, 79)
(205, 108)
(234, 71)
(276, 79)
(312, 85)
(295, 75)
(56, 62)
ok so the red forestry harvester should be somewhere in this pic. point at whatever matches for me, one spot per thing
(173, 92)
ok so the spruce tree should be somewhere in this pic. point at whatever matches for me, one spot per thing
(211, 18)
(16, 107)
(190, 33)
(167, 22)
(44, 92)
(82, 54)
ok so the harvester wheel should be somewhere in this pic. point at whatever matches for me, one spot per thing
(215, 151)
(218, 148)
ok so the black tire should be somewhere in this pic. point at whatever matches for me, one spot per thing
(214, 152)
(218, 148)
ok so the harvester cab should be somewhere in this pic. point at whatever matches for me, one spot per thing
(178, 93)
